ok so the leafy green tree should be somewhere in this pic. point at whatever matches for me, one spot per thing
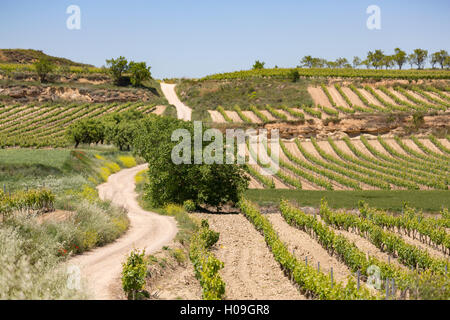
(356, 62)
(213, 184)
(367, 63)
(307, 61)
(447, 62)
(439, 58)
(410, 60)
(331, 64)
(121, 128)
(419, 57)
(43, 67)
(117, 67)
(399, 57)
(342, 63)
(258, 65)
(320, 63)
(86, 131)
(376, 58)
(388, 62)
(139, 73)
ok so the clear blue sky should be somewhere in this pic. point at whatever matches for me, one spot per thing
(195, 38)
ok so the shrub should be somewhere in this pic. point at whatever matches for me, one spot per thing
(258, 65)
(179, 255)
(43, 67)
(189, 206)
(89, 193)
(90, 239)
(293, 75)
(173, 209)
(112, 166)
(140, 176)
(127, 161)
(104, 173)
(117, 67)
(139, 73)
(206, 265)
(30, 201)
(134, 272)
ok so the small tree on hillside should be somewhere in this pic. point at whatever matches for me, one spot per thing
(139, 73)
(43, 67)
(376, 58)
(367, 63)
(399, 57)
(258, 65)
(170, 182)
(86, 131)
(439, 58)
(410, 60)
(388, 62)
(356, 62)
(419, 57)
(307, 61)
(121, 128)
(117, 67)
(447, 62)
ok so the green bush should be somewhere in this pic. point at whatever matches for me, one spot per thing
(117, 67)
(139, 73)
(206, 265)
(189, 206)
(294, 75)
(134, 273)
(43, 67)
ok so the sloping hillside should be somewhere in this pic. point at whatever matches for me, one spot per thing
(27, 56)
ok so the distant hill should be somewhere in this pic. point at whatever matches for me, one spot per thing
(27, 56)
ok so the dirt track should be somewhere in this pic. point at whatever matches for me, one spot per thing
(101, 267)
(250, 271)
(183, 111)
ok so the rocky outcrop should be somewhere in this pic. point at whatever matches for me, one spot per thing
(354, 125)
(26, 94)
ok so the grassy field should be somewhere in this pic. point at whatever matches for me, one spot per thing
(54, 168)
(428, 201)
(88, 223)
(208, 95)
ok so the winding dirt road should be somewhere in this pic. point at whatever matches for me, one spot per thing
(183, 111)
(101, 267)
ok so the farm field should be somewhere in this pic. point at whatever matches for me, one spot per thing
(430, 201)
(45, 125)
(322, 246)
(363, 164)
(338, 101)
(387, 171)
(245, 153)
